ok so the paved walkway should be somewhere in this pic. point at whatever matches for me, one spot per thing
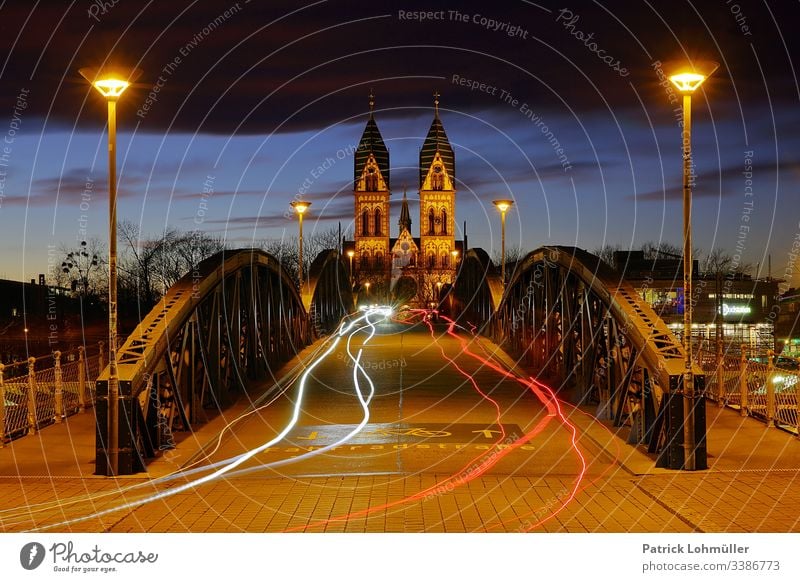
(453, 443)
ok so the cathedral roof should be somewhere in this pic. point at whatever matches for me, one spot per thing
(372, 143)
(436, 141)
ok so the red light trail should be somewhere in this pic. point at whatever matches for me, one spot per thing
(479, 465)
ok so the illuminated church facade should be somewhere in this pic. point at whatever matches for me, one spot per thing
(415, 269)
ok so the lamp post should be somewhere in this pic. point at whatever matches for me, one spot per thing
(366, 286)
(300, 208)
(687, 78)
(350, 255)
(503, 206)
(111, 85)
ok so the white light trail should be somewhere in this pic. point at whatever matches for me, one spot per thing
(228, 465)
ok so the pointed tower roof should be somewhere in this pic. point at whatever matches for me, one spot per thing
(371, 143)
(405, 215)
(436, 141)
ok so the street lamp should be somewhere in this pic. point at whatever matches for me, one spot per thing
(687, 78)
(350, 255)
(503, 206)
(300, 207)
(454, 253)
(111, 84)
(366, 286)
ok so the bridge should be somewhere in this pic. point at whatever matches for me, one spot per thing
(558, 377)
(564, 315)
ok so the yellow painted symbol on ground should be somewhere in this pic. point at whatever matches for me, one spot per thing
(417, 432)
(486, 432)
(311, 437)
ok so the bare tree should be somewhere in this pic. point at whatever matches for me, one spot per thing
(83, 270)
(606, 253)
(720, 263)
(140, 280)
(661, 250)
(287, 250)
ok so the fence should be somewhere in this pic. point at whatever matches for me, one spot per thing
(755, 388)
(45, 390)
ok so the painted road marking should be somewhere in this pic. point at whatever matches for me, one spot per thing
(402, 432)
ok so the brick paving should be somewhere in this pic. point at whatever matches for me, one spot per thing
(751, 486)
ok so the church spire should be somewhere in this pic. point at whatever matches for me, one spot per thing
(436, 143)
(405, 215)
(371, 144)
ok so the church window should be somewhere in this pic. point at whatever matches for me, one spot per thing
(365, 223)
(445, 261)
(431, 221)
(379, 260)
(365, 261)
(377, 222)
(431, 261)
(444, 221)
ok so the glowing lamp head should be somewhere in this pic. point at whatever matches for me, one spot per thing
(367, 285)
(110, 84)
(503, 205)
(351, 254)
(454, 253)
(687, 77)
(687, 82)
(111, 88)
(300, 206)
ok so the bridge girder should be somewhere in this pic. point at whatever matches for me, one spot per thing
(234, 319)
(574, 319)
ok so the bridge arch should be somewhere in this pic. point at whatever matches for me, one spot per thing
(478, 289)
(577, 321)
(236, 318)
(328, 295)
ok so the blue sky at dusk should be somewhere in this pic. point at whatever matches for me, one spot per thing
(260, 120)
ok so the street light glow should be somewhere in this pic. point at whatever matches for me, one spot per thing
(503, 205)
(688, 76)
(351, 254)
(110, 84)
(687, 82)
(300, 206)
(111, 88)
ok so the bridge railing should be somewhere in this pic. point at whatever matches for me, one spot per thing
(43, 391)
(754, 388)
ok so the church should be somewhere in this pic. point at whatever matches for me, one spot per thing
(411, 269)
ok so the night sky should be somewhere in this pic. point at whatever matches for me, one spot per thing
(557, 105)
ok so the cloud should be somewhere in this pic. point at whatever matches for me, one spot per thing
(713, 184)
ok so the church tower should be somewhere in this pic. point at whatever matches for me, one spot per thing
(371, 193)
(437, 201)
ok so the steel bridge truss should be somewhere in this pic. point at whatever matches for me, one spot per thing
(579, 324)
(231, 322)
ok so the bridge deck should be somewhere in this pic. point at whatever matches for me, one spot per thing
(454, 441)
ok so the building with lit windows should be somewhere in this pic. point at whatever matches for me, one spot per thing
(736, 304)
(416, 269)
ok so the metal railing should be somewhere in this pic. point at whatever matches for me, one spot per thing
(43, 391)
(754, 388)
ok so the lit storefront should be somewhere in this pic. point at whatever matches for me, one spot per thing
(741, 307)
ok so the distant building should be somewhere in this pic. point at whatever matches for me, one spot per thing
(740, 305)
(415, 269)
(33, 314)
(787, 328)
